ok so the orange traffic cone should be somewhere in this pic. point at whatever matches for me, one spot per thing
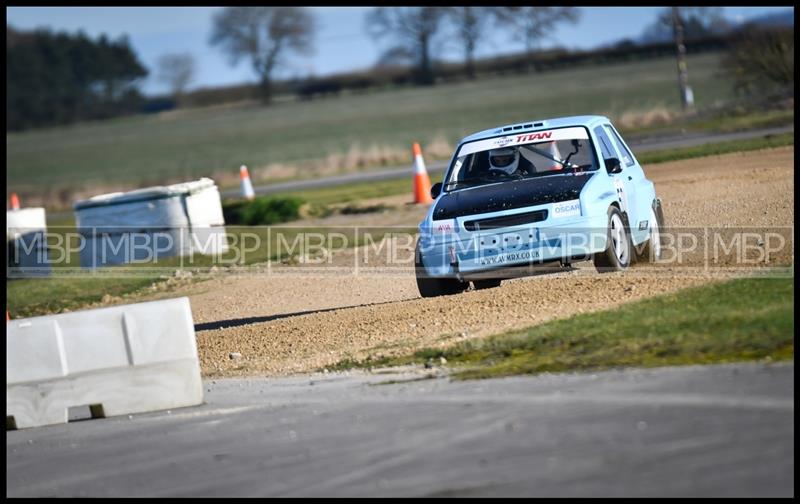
(422, 183)
(247, 186)
(14, 201)
(553, 148)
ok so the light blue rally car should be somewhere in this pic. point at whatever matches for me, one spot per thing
(565, 189)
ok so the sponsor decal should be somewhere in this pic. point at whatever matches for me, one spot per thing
(544, 135)
(502, 142)
(570, 208)
(444, 226)
(621, 195)
(575, 132)
(525, 255)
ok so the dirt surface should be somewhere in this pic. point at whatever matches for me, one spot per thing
(285, 319)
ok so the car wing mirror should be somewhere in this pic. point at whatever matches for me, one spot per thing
(613, 165)
(436, 190)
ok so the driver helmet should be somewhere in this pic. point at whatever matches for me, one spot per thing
(505, 159)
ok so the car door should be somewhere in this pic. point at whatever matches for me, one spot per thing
(623, 181)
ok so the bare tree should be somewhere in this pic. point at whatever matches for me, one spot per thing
(264, 35)
(412, 29)
(470, 24)
(532, 24)
(176, 71)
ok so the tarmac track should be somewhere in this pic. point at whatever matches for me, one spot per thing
(693, 431)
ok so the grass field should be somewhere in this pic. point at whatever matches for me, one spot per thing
(738, 320)
(186, 144)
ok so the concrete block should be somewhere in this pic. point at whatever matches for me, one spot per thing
(23, 221)
(117, 360)
(152, 223)
(26, 230)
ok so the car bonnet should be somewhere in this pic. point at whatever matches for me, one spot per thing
(509, 195)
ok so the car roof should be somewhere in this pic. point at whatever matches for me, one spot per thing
(536, 125)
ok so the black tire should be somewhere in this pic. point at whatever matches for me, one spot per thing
(613, 258)
(649, 253)
(433, 287)
(489, 283)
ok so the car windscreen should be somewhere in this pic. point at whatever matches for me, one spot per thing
(519, 156)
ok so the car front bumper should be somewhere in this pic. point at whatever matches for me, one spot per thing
(463, 254)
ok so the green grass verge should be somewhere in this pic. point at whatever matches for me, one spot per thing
(715, 149)
(357, 192)
(42, 296)
(720, 121)
(737, 320)
(742, 120)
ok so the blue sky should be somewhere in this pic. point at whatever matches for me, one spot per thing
(341, 42)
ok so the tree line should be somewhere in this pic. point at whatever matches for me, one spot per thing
(56, 78)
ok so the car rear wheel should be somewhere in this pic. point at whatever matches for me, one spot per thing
(617, 255)
(651, 252)
(433, 287)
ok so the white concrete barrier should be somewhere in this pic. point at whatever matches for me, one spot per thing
(26, 231)
(153, 223)
(119, 360)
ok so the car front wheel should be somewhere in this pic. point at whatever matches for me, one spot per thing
(432, 287)
(617, 255)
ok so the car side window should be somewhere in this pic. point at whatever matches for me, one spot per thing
(605, 143)
(627, 158)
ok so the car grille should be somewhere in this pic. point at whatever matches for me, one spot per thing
(506, 221)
